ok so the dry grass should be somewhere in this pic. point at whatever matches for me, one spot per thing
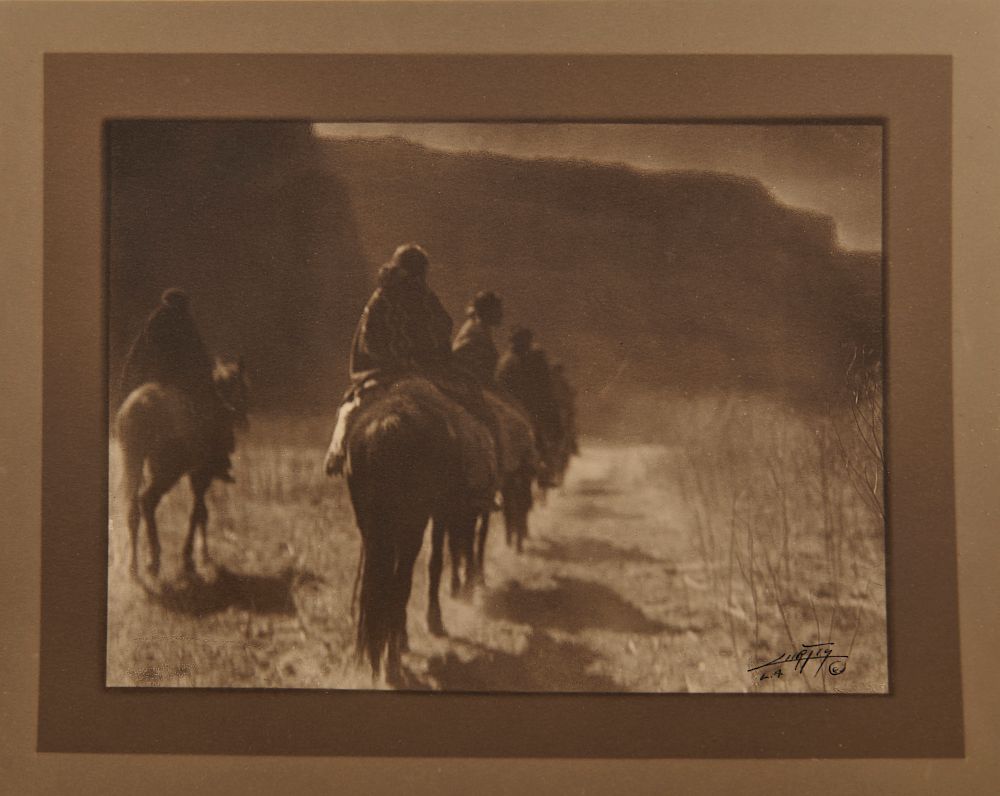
(656, 568)
(790, 536)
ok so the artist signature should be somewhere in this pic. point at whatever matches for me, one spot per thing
(820, 654)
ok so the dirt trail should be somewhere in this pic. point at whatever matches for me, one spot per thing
(588, 604)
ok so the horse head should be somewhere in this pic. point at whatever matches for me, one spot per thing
(231, 385)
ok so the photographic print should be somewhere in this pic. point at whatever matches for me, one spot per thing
(496, 407)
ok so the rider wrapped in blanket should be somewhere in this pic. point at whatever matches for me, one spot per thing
(474, 349)
(403, 330)
(524, 373)
(169, 351)
(565, 398)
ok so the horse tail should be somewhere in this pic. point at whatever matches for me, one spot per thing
(378, 450)
(375, 606)
(357, 582)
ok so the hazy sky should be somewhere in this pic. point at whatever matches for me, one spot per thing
(833, 169)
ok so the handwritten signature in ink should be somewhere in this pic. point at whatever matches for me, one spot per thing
(821, 654)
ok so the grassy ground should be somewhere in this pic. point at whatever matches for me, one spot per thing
(672, 567)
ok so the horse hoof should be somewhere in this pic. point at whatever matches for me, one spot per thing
(394, 671)
(436, 627)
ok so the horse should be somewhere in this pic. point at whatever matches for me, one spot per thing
(520, 466)
(564, 445)
(157, 432)
(413, 456)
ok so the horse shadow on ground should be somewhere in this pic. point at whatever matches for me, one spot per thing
(545, 664)
(193, 595)
(592, 510)
(585, 550)
(595, 488)
(571, 605)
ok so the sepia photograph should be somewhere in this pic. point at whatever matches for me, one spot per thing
(527, 394)
(496, 407)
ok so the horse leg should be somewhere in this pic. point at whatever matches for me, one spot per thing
(434, 624)
(468, 541)
(199, 518)
(522, 507)
(150, 499)
(480, 552)
(131, 483)
(206, 556)
(509, 522)
(524, 524)
(513, 517)
(456, 552)
(407, 549)
(203, 484)
(134, 517)
(519, 519)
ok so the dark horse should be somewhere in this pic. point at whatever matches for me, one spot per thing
(156, 431)
(519, 468)
(412, 454)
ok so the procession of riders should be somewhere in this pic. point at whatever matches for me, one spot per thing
(403, 331)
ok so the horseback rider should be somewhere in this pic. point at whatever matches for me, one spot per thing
(565, 398)
(524, 373)
(169, 351)
(403, 327)
(473, 348)
(403, 330)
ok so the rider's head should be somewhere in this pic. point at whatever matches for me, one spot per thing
(520, 339)
(488, 306)
(412, 260)
(176, 299)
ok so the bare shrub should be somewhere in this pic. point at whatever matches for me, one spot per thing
(788, 526)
